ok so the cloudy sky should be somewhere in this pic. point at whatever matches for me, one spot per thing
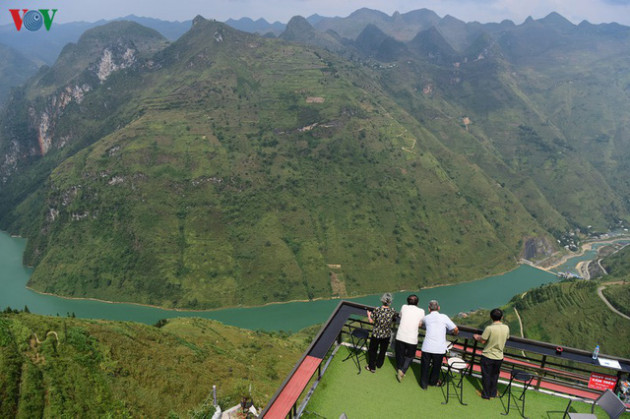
(595, 11)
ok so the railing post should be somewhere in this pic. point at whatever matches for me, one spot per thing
(472, 359)
(542, 371)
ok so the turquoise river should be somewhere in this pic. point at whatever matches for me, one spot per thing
(483, 293)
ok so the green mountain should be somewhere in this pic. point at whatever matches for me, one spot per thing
(227, 168)
(23, 52)
(64, 367)
(402, 27)
(617, 265)
(517, 129)
(50, 116)
(15, 68)
(545, 103)
(299, 30)
(373, 42)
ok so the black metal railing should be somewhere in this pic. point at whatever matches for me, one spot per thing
(566, 371)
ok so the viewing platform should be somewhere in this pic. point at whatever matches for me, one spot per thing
(327, 382)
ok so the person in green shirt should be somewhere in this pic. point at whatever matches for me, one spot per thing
(493, 337)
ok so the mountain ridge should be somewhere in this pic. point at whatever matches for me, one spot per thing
(226, 168)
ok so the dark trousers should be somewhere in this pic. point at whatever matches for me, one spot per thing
(430, 362)
(405, 353)
(376, 352)
(490, 369)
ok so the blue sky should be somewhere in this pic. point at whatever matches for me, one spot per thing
(595, 11)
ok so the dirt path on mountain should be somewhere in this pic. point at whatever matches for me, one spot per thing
(520, 322)
(610, 306)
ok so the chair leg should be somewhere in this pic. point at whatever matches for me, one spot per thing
(354, 353)
(357, 349)
(523, 397)
(508, 390)
(448, 384)
(566, 411)
(458, 386)
(461, 388)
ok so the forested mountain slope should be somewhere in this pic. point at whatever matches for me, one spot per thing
(65, 367)
(227, 168)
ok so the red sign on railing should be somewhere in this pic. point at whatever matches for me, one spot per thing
(602, 381)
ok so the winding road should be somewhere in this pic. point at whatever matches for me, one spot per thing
(610, 306)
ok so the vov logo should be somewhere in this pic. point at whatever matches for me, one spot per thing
(33, 19)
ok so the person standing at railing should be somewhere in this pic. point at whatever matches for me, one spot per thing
(407, 335)
(494, 337)
(434, 344)
(382, 319)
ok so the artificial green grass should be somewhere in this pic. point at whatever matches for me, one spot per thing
(380, 395)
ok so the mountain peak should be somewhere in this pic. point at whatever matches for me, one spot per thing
(368, 13)
(558, 21)
(123, 34)
(297, 28)
(430, 43)
(448, 19)
(370, 38)
(422, 16)
(300, 30)
(198, 19)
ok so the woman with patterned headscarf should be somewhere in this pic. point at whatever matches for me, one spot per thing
(382, 318)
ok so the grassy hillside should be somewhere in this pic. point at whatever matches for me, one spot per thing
(66, 367)
(15, 69)
(560, 174)
(245, 170)
(228, 169)
(543, 105)
(618, 264)
(618, 267)
(619, 296)
(568, 313)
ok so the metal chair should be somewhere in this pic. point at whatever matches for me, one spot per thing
(454, 376)
(608, 401)
(526, 379)
(358, 337)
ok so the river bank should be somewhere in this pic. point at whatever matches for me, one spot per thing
(347, 297)
(489, 292)
(536, 265)
(556, 260)
(288, 316)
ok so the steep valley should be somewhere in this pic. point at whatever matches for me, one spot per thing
(228, 169)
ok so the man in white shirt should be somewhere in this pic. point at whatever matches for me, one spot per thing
(407, 335)
(434, 345)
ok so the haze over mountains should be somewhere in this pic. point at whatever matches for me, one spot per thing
(350, 156)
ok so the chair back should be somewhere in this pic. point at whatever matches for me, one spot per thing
(523, 376)
(457, 364)
(611, 404)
